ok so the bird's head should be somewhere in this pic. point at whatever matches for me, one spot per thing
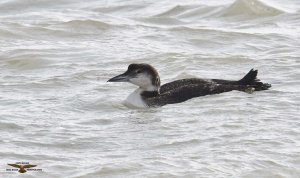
(142, 75)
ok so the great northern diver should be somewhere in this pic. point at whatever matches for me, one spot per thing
(151, 94)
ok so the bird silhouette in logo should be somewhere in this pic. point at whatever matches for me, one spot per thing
(22, 167)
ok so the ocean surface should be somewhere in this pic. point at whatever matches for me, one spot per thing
(58, 112)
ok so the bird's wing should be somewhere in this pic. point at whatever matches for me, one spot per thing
(15, 165)
(29, 166)
(180, 83)
(186, 92)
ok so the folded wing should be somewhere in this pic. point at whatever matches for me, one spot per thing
(185, 92)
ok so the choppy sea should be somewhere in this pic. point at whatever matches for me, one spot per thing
(58, 112)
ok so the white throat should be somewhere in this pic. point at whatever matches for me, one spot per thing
(135, 99)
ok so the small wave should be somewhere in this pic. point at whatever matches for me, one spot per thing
(119, 8)
(107, 171)
(97, 122)
(200, 12)
(176, 10)
(16, 30)
(52, 82)
(82, 26)
(26, 62)
(161, 20)
(250, 8)
(10, 126)
(240, 8)
(16, 5)
(178, 143)
(223, 32)
(8, 34)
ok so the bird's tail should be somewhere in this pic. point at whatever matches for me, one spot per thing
(251, 80)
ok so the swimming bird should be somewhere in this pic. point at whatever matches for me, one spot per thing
(22, 167)
(151, 94)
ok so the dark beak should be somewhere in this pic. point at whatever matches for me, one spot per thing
(120, 78)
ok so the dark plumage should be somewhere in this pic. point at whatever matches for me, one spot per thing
(182, 90)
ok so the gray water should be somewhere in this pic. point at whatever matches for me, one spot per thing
(57, 110)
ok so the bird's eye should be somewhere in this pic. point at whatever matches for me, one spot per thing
(138, 71)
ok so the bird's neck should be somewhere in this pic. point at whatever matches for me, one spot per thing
(150, 91)
(149, 94)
